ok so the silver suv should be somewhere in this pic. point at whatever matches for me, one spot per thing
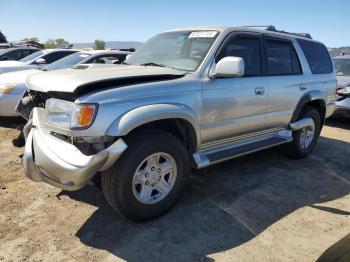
(186, 98)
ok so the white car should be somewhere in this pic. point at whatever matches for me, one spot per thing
(36, 60)
(13, 85)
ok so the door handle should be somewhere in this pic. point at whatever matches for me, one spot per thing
(260, 91)
(303, 87)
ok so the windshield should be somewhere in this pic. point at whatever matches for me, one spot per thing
(342, 66)
(32, 56)
(67, 62)
(183, 50)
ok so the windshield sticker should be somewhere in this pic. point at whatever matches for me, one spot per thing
(203, 34)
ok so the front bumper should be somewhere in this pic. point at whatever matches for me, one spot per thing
(58, 163)
(342, 108)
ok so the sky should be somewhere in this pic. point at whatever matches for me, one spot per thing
(130, 20)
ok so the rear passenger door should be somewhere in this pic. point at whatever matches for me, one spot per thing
(285, 77)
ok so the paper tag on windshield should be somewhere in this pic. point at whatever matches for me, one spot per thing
(203, 34)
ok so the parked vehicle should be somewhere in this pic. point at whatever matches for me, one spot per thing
(38, 59)
(13, 85)
(342, 105)
(16, 53)
(192, 97)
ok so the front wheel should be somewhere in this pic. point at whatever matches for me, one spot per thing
(149, 177)
(304, 140)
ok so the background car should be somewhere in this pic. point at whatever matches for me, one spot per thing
(342, 65)
(16, 53)
(36, 60)
(13, 85)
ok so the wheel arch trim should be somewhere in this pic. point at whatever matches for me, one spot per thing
(142, 115)
(305, 99)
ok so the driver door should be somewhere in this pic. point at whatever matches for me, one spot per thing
(236, 106)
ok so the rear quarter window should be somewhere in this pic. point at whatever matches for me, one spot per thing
(317, 56)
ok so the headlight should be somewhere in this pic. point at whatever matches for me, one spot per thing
(6, 88)
(344, 91)
(70, 115)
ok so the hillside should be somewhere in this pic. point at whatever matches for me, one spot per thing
(336, 51)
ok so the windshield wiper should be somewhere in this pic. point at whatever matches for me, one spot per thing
(153, 64)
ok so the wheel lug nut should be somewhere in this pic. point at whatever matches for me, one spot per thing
(153, 168)
(159, 170)
(147, 183)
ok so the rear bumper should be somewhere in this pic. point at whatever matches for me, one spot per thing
(58, 163)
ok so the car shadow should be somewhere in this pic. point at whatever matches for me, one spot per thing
(338, 122)
(12, 122)
(224, 206)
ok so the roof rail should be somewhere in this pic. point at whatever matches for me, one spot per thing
(273, 29)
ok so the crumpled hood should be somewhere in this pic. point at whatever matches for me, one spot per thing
(69, 80)
(343, 80)
(10, 66)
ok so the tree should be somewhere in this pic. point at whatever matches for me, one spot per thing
(99, 44)
(54, 43)
(31, 39)
(2, 38)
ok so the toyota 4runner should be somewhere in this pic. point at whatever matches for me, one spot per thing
(186, 98)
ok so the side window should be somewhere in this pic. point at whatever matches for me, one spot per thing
(25, 53)
(317, 56)
(121, 58)
(54, 56)
(246, 48)
(103, 59)
(281, 58)
(14, 55)
(108, 59)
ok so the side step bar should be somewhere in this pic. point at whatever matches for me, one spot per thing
(204, 159)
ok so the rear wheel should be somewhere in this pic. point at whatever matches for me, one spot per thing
(149, 177)
(304, 140)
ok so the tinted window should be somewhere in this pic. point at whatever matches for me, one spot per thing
(246, 48)
(67, 62)
(14, 55)
(54, 56)
(281, 58)
(25, 53)
(32, 56)
(317, 56)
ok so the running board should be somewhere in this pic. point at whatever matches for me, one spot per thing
(204, 159)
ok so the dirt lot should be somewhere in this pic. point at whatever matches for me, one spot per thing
(262, 207)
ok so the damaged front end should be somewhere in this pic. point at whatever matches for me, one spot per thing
(52, 158)
(32, 98)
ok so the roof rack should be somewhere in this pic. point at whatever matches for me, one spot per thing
(273, 29)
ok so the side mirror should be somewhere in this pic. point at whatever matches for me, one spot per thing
(229, 66)
(40, 61)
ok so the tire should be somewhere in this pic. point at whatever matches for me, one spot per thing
(125, 196)
(294, 148)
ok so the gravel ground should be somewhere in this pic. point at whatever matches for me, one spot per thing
(261, 207)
